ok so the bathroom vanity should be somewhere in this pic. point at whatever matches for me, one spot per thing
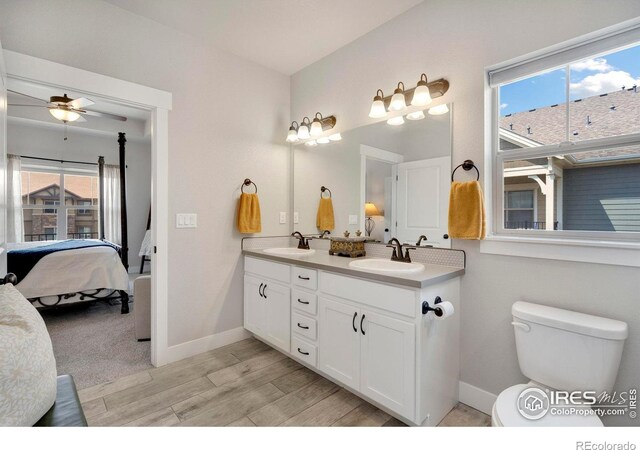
(364, 330)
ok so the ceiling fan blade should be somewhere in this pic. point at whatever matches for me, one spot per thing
(80, 119)
(105, 115)
(19, 104)
(27, 95)
(80, 103)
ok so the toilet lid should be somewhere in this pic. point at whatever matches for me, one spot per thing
(506, 410)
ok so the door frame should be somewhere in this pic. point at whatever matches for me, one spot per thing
(28, 68)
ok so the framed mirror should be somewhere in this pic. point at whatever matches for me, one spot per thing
(384, 180)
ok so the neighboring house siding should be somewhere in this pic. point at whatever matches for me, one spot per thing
(602, 198)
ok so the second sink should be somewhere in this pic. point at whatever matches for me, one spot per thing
(385, 266)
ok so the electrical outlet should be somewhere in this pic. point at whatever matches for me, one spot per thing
(283, 217)
(353, 219)
(296, 217)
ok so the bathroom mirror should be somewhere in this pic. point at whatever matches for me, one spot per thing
(389, 180)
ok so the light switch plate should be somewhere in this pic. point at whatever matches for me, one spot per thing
(186, 220)
(283, 217)
(296, 217)
(353, 219)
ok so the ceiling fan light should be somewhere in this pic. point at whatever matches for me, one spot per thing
(438, 110)
(335, 137)
(398, 120)
(64, 114)
(398, 102)
(418, 115)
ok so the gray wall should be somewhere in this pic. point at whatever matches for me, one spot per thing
(602, 198)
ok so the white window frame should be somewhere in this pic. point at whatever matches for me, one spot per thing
(617, 248)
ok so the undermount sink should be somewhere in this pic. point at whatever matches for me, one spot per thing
(289, 251)
(386, 266)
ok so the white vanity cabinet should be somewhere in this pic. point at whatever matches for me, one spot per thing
(369, 336)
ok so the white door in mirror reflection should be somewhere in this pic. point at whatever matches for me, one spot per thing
(423, 200)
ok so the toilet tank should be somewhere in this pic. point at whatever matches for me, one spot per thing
(567, 350)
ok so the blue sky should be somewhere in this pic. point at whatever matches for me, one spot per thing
(590, 77)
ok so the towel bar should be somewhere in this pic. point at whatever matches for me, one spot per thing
(323, 189)
(467, 165)
(248, 182)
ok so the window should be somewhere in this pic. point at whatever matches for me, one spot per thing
(59, 203)
(568, 123)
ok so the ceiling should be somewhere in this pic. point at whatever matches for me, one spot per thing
(284, 35)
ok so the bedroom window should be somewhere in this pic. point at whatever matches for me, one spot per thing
(568, 123)
(59, 203)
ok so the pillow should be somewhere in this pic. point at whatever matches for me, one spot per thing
(27, 365)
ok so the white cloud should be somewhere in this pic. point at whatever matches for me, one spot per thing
(503, 105)
(601, 83)
(592, 65)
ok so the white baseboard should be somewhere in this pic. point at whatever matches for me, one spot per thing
(211, 342)
(476, 398)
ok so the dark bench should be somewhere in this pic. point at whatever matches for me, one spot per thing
(67, 410)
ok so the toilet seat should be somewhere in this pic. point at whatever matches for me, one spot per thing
(505, 413)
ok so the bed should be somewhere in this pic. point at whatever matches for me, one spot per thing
(55, 273)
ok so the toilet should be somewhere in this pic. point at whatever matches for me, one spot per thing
(560, 350)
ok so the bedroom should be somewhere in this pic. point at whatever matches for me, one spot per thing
(44, 154)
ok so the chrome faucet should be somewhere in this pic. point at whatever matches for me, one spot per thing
(303, 243)
(397, 251)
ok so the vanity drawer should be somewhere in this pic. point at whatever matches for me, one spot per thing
(304, 301)
(304, 326)
(307, 278)
(304, 351)
(268, 269)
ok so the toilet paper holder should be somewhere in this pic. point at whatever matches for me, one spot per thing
(426, 307)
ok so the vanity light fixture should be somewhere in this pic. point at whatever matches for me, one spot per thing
(398, 102)
(303, 129)
(377, 107)
(335, 137)
(316, 126)
(418, 115)
(421, 95)
(292, 136)
(398, 120)
(438, 110)
(323, 140)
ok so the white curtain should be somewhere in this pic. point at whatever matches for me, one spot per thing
(15, 223)
(111, 200)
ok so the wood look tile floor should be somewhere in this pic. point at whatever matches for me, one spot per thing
(243, 384)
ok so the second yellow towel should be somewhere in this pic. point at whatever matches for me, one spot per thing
(249, 214)
(324, 219)
(466, 211)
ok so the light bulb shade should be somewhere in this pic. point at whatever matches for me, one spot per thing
(335, 137)
(418, 115)
(398, 102)
(421, 96)
(377, 109)
(311, 143)
(303, 131)
(323, 140)
(316, 128)
(398, 120)
(64, 114)
(292, 136)
(370, 210)
(438, 110)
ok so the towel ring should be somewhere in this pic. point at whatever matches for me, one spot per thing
(322, 189)
(248, 182)
(467, 165)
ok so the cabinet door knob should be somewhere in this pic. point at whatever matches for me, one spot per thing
(353, 322)
(260, 289)
(362, 320)
(303, 353)
(304, 303)
(302, 326)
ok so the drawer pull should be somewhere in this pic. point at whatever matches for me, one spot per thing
(353, 321)
(303, 278)
(303, 353)
(362, 320)
(302, 326)
(260, 289)
(264, 294)
(304, 303)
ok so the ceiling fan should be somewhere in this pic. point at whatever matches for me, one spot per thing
(67, 109)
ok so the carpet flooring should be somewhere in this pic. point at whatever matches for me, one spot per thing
(95, 343)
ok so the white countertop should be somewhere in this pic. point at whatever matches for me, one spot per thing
(431, 274)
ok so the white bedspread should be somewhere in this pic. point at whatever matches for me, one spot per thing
(69, 271)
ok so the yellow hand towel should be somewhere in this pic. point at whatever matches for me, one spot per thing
(249, 214)
(324, 219)
(466, 211)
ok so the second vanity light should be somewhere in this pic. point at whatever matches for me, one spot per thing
(312, 131)
(420, 96)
